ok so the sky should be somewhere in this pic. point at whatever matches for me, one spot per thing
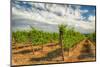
(47, 16)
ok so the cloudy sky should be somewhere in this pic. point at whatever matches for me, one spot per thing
(47, 16)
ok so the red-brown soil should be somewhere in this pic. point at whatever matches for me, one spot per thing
(26, 55)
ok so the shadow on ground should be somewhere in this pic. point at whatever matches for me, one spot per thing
(49, 56)
(23, 52)
(86, 52)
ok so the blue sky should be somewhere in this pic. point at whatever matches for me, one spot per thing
(81, 17)
(91, 11)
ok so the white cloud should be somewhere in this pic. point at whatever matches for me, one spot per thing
(91, 18)
(84, 11)
(67, 16)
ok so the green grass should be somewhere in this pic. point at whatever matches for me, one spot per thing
(38, 37)
(92, 36)
(71, 37)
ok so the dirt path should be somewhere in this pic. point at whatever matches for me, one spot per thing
(76, 52)
(23, 55)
